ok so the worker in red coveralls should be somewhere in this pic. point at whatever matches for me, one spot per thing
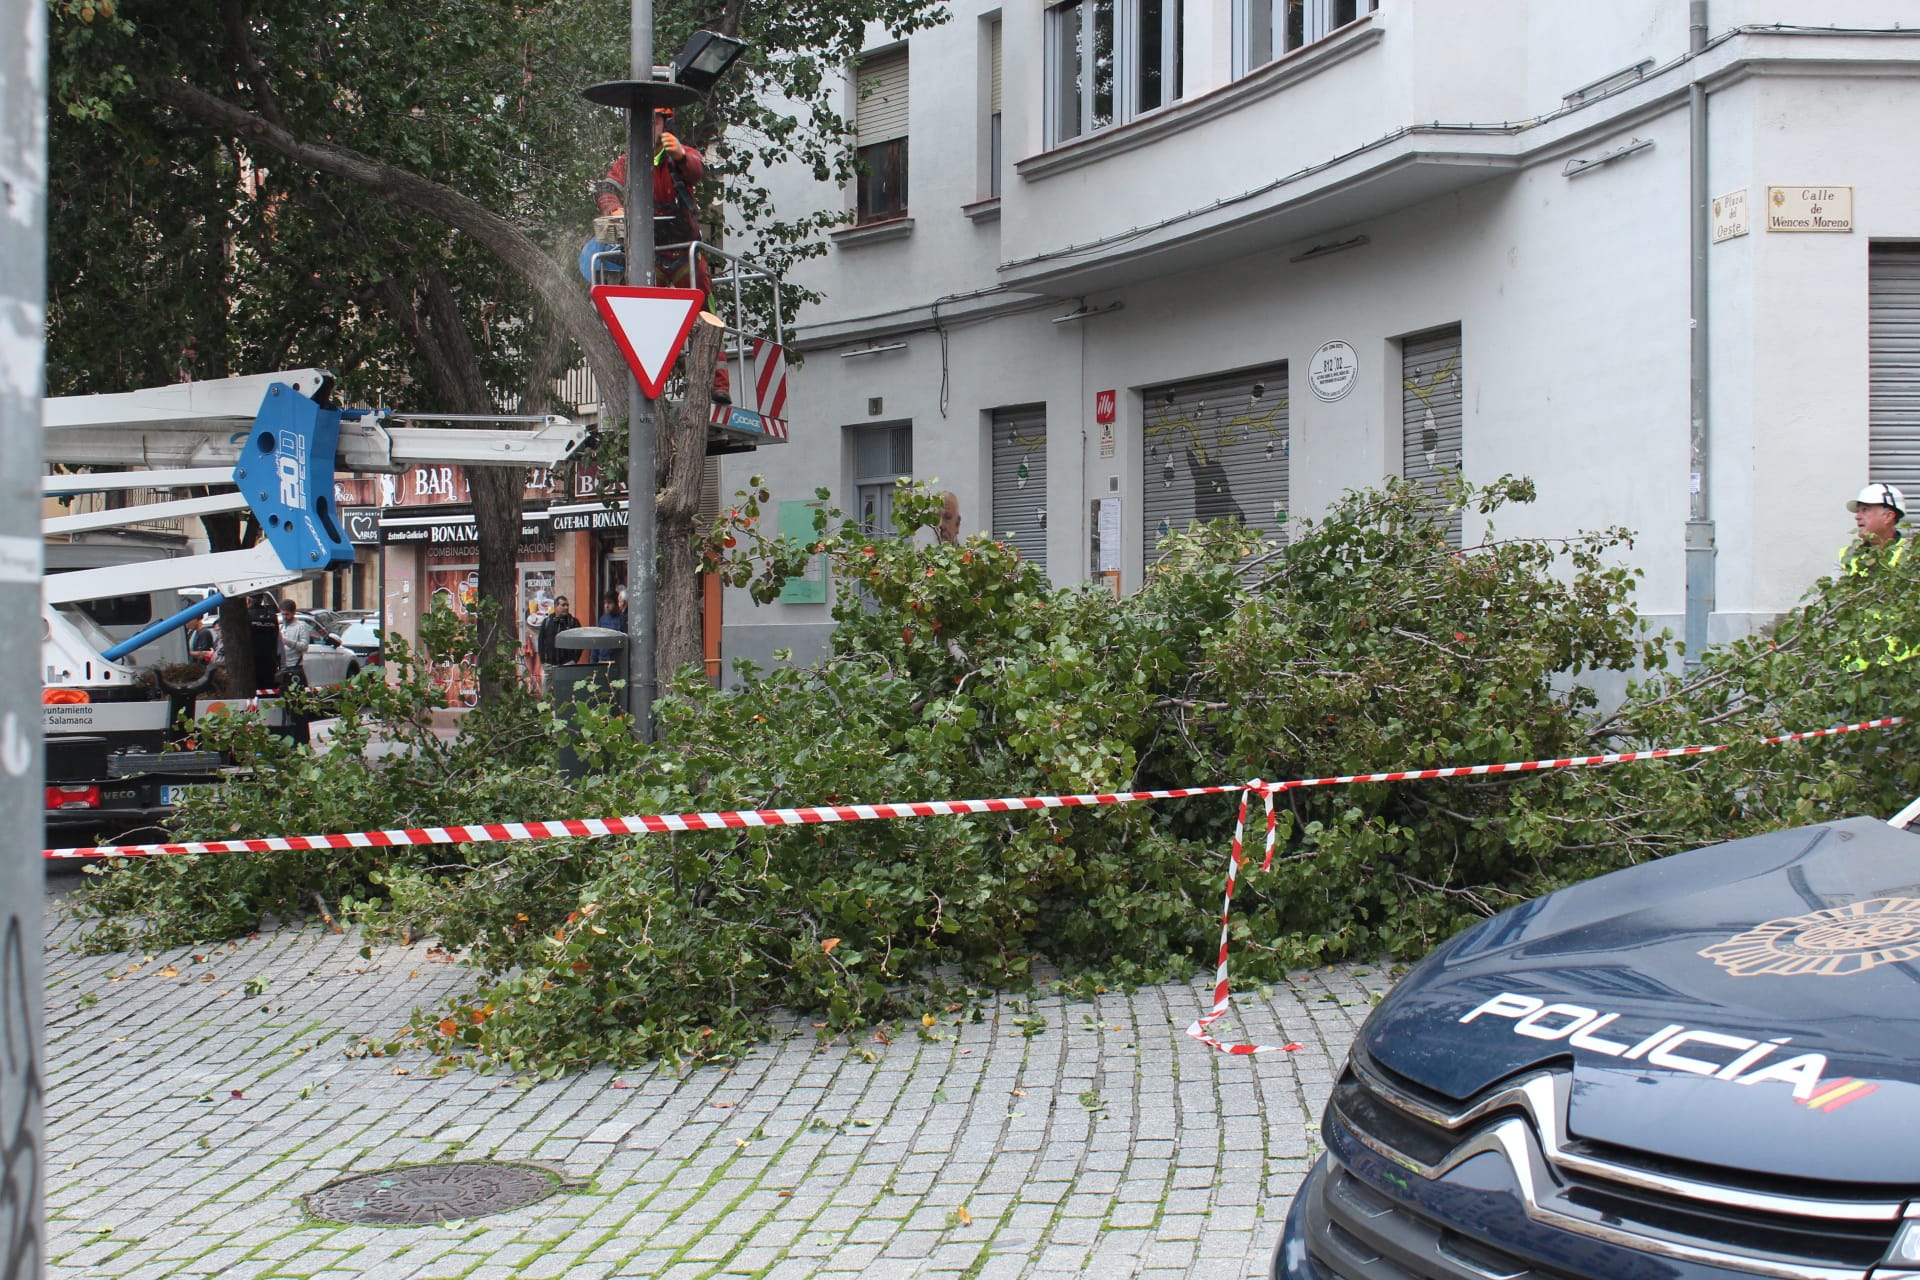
(676, 168)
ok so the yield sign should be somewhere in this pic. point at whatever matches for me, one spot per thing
(651, 325)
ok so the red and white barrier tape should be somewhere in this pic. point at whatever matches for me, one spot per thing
(1222, 993)
(576, 828)
(740, 819)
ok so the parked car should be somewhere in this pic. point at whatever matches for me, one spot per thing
(328, 661)
(1701, 1067)
(363, 636)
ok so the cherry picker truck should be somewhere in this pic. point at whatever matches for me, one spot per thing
(270, 444)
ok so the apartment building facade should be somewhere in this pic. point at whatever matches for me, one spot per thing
(1115, 265)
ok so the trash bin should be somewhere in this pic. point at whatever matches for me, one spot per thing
(575, 684)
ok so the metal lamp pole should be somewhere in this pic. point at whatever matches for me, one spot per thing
(643, 575)
(694, 70)
(23, 283)
(639, 96)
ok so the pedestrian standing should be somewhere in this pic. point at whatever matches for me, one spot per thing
(296, 636)
(561, 619)
(613, 619)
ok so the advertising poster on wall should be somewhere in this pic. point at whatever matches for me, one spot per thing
(456, 588)
(536, 601)
(536, 594)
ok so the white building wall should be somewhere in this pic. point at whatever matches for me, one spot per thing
(1572, 292)
(1809, 308)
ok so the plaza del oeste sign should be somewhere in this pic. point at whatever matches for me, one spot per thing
(1334, 369)
(1810, 208)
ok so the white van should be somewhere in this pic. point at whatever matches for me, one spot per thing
(122, 617)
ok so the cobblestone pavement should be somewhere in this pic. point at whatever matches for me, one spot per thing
(195, 1096)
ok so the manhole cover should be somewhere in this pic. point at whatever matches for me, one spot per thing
(431, 1193)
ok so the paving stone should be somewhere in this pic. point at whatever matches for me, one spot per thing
(860, 1169)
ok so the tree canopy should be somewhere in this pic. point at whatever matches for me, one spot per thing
(395, 193)
(1367, 643)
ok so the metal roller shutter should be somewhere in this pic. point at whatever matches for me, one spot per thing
(1020, 480)
(1893, 366)
(882, 85)
(1432, 436)
(1215, 448)
(709, 496)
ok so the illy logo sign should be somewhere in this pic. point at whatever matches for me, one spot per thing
(1104, 403)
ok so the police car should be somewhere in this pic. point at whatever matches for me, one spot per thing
(1703, 1067)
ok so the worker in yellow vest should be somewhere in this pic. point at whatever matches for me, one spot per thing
(1877, 547)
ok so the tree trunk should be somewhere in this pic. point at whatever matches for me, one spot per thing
(681, 471)
(430, 317)
(499, 501)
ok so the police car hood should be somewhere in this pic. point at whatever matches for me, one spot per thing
(1754, 1004)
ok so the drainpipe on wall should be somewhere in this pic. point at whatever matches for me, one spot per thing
(1700, 548)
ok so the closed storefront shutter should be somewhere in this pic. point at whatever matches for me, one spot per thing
(1215, 448)
(1020, 480)
(1431, 398)
(1893, 363)
(882, 86)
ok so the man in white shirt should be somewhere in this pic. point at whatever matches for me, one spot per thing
(296, 634)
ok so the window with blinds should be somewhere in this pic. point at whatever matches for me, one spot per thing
(880, 123)
(994, 153)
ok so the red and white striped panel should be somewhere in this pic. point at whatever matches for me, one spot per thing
(769, 361)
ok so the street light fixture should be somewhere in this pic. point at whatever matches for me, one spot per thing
(705, 58)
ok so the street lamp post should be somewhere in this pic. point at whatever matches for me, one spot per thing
(703, 60)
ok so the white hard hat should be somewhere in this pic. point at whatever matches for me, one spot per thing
(1880, 495)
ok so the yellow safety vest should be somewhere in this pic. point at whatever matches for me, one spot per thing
(1856, 563)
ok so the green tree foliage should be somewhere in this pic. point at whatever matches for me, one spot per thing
(396, 194)
(1846, 655)
(233, 182)
(1366, 644)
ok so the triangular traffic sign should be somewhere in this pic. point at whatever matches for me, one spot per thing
(650, 325)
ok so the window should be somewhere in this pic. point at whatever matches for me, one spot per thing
(1267, 29)
(1109, 61)
(880, 120)
(119, 611)
(994, 153)
(882, 457)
